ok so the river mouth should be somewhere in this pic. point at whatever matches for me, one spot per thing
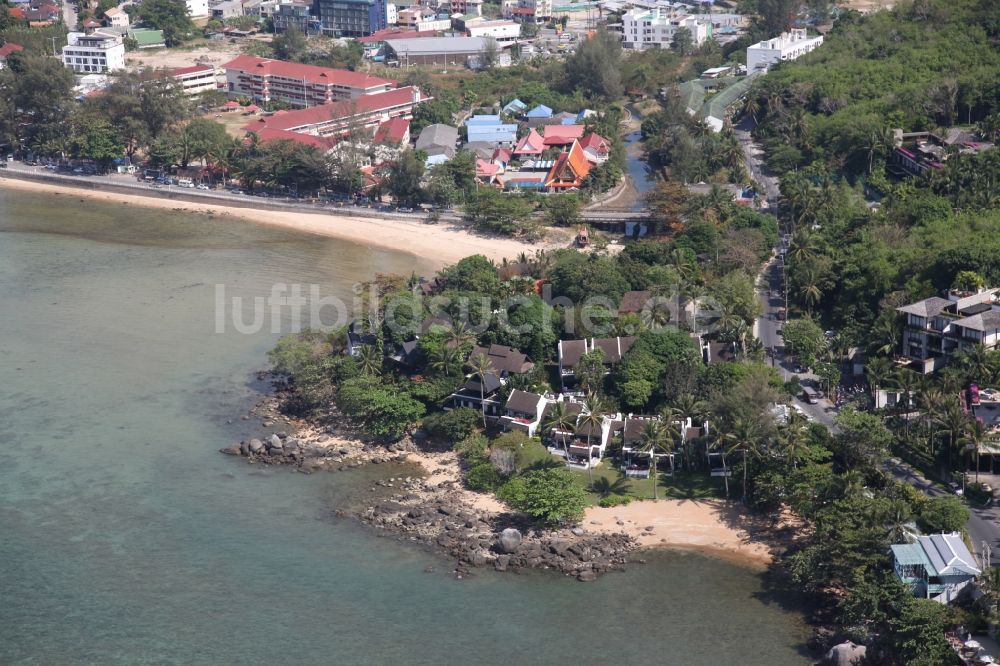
(126, 538)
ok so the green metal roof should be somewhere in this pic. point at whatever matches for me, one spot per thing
(725, 98)
(910, 554)
(146, 36)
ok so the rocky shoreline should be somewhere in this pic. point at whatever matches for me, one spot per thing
(437, 515)
(504, 541)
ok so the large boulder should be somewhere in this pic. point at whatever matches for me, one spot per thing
(846, 654)
(275, 443)
(256, 446)
(510, 539)
(231, 450)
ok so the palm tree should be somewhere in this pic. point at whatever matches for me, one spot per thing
(481, 365)
(744, 436)
(886, 332)
(794, 438)
(686, 406)
(977, 363)
(752, 106)
(905, 380)
(720, 443)
(953, 422)
(591, 419)
(369, 360)
(655, 439)
(973, 441)
(809, 290)
(459, 335)
(562, 420)
(878, 371)
(445, 359)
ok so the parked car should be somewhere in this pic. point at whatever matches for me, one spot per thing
(798, 369)
(780, 315)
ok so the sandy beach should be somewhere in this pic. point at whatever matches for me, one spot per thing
(438, 244)
(710, 527)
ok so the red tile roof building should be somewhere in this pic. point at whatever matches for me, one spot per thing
(393, 132)
(562, 135)
(6, 50)
(341, 118)
(268, 134)
(299, 85)
(532, 144)
(595, 147)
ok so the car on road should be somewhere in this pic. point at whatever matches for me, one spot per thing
(810, 396)
(404, 210)
(798, 369)
(203, 186)
(780, 315)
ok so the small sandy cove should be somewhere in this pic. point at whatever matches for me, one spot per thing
(710, 527)
(438, 244)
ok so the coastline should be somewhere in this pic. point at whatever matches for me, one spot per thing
(436, 509)
(709, 527)
(439, 244)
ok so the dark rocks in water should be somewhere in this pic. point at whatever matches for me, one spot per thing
(510, 539)
(275, 443)
(256, 446)
(244, 448)
(587, 576)
(231, 450)
(501, 563)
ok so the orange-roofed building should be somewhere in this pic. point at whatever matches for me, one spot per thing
(569, 170)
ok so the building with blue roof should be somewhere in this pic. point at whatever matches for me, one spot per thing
(540, 111)
(490, 129)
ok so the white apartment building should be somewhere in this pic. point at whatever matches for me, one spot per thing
(504, 32)
(116, 17)
(391, 16)
(655, 28)
(787, 46)
(197, 7)
(95, 53)
(196, 79)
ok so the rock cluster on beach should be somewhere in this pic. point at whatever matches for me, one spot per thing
(438, 515)
(504, 541)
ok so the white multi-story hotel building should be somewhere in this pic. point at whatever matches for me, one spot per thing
(95, 53)
(787, 46)
(655, 28)
(196, 79)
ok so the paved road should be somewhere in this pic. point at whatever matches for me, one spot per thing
(220, 197)
(69, 15)
(984, 524)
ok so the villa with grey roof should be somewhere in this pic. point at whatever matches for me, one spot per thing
(936, 329)
(936, 567)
